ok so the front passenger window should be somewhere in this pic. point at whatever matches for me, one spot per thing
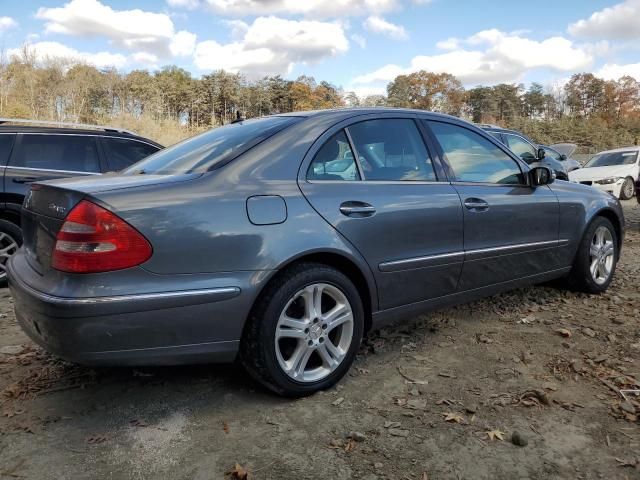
(334, 161)
(473, 158)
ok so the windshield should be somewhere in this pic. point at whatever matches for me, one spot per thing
(208, 150)
(613, 158)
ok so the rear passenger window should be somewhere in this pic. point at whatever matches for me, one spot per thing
(6, 142)
(122, 152)
(334, 161)
(392, 149)
(73, 153)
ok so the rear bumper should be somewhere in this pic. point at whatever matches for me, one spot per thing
(152, 328)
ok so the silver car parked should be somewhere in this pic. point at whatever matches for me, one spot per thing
(283, 240)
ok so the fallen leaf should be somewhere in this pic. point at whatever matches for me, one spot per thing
(96, 439)
(564, 332)
(453, 417)
(238, 472)
(337, 401)
(225, 427)
(136, 422)
(349, 445)
(493, 434)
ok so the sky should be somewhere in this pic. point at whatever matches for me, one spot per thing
(359, 45)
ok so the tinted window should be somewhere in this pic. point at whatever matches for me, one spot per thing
(121, 152)
(334, 161)
(473, 158)
(203, 152)
(521, 147)
(391, 149)
(57, 152)
(549, 152)
(613, 158)
(6, 142)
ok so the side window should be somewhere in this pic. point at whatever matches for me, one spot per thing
(392, 149)
(521, 147)
(57, 152)
(552, 154)
(496, 135)
(334, 161)
(473, 158)
(6, 143)
(122, 153)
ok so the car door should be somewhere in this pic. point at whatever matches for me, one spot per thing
(42, 156)
(123, 152)
(375, 182)
(510, 228)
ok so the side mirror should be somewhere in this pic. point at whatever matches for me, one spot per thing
(541, 153)
(563, 157)
(541, 176)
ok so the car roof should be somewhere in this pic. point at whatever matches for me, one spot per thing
(621, 149)
(8, 128)
(365, 111)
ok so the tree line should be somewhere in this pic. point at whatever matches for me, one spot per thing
(170, 104)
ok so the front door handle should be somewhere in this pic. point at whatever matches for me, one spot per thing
(24, 179)
(357, 209)
(476, 204)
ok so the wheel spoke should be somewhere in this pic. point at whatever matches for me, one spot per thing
(594, 250)
(343, 316)
(312, 296)
(594, 268)
(298, 361)
(290, 333)
(330, 354)
(608, 249)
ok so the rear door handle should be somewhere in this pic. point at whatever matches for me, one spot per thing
(24, 179)
(357, 209)
(476, 204)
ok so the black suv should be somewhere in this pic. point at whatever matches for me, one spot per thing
(526, 149)
(30, 153)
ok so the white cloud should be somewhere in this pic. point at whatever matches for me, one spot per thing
(273, 45)
(45, 51)
(494, 57)
(131, 29)
(359, 40)
(613, 71)
(622, 21)
(308, 8)
(379, 25)
(188, 4)
(148, 60)
(448, 44)
(7, 23)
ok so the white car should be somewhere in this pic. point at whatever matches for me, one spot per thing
(614, 171)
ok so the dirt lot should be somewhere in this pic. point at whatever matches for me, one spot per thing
(422, 401)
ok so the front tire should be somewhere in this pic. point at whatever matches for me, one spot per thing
(304, 331)
(596, 258)
(10, 241)
(627, 190)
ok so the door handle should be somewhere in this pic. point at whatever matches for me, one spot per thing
(24, 179)
(476, 204)
(357, 209)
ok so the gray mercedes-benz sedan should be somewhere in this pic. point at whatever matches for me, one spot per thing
(282, 240)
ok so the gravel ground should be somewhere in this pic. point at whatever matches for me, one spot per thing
(521, 385)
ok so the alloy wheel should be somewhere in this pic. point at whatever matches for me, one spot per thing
(314, 332)
(627, 189)
(601, 255)
(8, 246)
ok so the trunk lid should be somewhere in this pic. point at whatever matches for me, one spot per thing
(48, 203)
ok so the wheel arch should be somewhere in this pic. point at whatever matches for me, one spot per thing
(615, 220)
(355, 269)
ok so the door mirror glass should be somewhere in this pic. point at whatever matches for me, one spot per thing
(563, 157)
(541, 153)
(541, 176)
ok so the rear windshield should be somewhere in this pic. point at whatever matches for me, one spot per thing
(208, 150)
(613, 158)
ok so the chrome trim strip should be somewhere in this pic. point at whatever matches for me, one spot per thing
(51, 170)
(452, 257)
(422, 262)
(516, 246)
(223, 293)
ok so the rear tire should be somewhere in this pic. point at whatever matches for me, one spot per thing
(296, 347)
(10, 241)
(596, 258)
(628, 189)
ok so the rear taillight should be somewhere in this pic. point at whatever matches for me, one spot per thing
(93, 239)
